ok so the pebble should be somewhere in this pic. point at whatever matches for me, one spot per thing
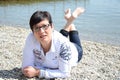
(99, 62)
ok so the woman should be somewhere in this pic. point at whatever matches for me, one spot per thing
(48, 53)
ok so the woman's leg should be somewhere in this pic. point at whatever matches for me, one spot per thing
(70, 29)
(74, 37)
(65, 30)
(70, 18)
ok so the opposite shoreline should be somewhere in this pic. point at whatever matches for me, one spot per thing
(99, 62)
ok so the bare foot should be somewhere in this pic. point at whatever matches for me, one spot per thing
(77, 12)
(67, 14)
(70, 18)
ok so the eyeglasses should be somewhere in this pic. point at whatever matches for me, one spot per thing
(44, 27)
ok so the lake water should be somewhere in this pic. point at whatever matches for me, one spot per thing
(100, 22)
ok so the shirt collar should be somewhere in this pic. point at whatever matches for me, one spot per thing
(52, 49)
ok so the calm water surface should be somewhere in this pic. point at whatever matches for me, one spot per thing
(100, 22)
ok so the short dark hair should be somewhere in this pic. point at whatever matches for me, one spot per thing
(39, 16)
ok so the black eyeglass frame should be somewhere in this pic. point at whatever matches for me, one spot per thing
(44, 27)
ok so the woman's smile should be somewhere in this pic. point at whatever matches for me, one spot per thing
(43, 36)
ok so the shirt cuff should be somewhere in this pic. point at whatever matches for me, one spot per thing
(42, 73)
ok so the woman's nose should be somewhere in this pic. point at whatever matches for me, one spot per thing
(41, 30)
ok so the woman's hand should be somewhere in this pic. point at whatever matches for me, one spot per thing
(31, 71)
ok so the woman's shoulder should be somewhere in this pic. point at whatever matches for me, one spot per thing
(58, 36)
(60, 40)
(30, 37)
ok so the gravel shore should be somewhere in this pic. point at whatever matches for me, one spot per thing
(99, 62)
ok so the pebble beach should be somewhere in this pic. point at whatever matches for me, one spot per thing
(99, 62)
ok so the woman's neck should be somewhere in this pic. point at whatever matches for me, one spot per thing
(46, 46)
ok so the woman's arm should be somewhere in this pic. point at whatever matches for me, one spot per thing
(28, 56)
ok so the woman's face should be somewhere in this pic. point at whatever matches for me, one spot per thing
(43, 31)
